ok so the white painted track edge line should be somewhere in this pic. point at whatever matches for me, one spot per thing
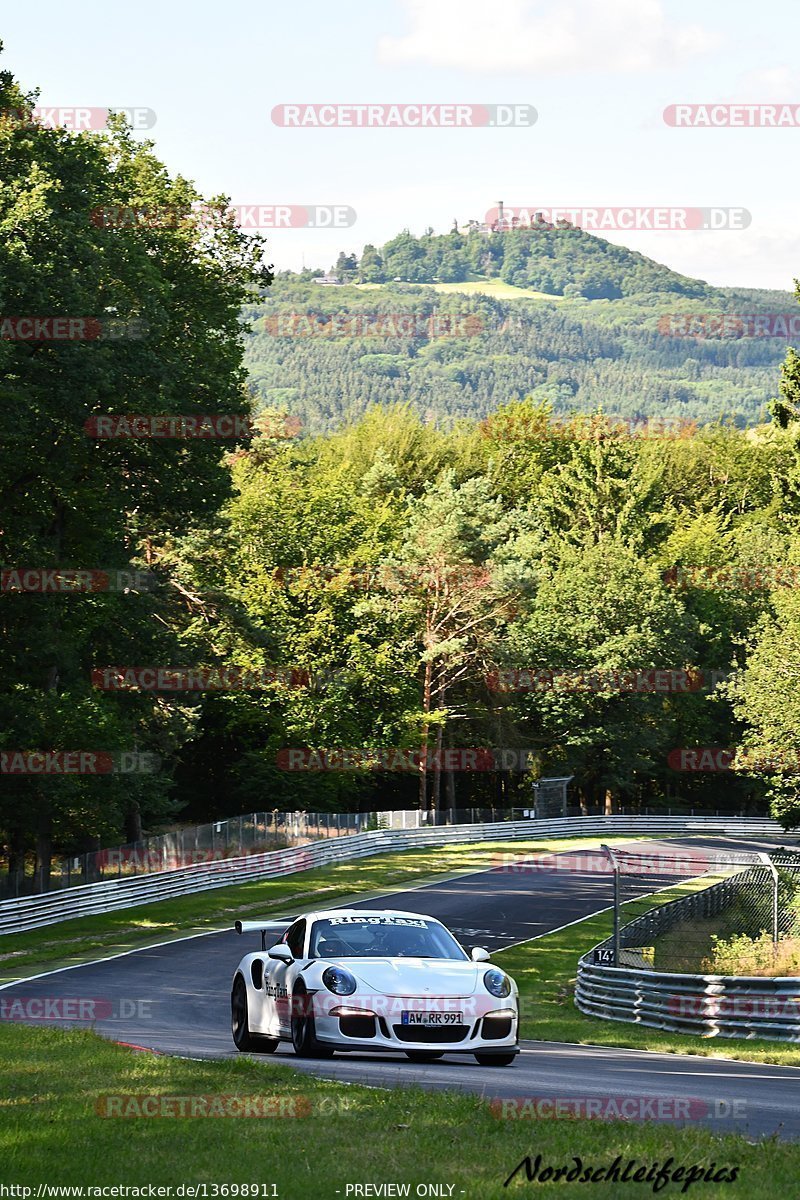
(94, 962)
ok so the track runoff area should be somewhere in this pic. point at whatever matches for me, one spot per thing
(174, 998)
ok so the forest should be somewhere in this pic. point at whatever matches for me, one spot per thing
(640, 341)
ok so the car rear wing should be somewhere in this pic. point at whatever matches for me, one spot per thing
(262, 927)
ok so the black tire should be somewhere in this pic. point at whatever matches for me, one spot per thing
(243, 1039)
(495, 1060)
(421, 1056)
(304, 1038)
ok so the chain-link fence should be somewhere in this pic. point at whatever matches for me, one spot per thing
(253, 833)
(741, 916)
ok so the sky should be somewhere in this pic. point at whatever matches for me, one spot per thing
(599, 75)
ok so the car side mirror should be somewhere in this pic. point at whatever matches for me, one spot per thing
(282, 953)
(478, 954)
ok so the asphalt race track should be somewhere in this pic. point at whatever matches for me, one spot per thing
(175, 999)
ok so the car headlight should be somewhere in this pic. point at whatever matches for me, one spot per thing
(496, 983)
(339, 981)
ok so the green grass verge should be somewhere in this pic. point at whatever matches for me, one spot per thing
(52, 1132)
(85, 938)
(545, 971)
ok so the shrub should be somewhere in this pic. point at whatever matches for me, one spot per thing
(743, 955)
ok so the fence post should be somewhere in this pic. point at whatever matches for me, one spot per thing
(767, 861)
(615, 867)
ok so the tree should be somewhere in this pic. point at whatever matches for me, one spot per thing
(157, 297)
(346, 267)
(370, 268)
(766, 697)
(600, 612)
(606, 490)
(786, 410)
(443, 582)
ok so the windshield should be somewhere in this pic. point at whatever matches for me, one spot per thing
(382, 937)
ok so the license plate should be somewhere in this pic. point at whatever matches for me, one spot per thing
(431, 1018)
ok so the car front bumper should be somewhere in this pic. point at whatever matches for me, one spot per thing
(488, 1024)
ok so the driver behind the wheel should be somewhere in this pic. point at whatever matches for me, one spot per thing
(332, 947)
(404, 943)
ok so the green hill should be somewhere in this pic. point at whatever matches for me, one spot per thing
(559, 315)
(556, 261)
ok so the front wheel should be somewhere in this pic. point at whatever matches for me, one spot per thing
(304, 1038)
(421, 1056)
(243, 1039)
(495, 1060)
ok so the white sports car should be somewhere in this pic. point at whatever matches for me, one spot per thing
(353, 979)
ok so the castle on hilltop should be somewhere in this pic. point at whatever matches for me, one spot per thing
(500, 220)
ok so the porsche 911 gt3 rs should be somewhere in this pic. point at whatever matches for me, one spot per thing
(353, 979)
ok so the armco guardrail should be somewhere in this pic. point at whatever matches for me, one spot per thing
(50, 908)
(743, 1006)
